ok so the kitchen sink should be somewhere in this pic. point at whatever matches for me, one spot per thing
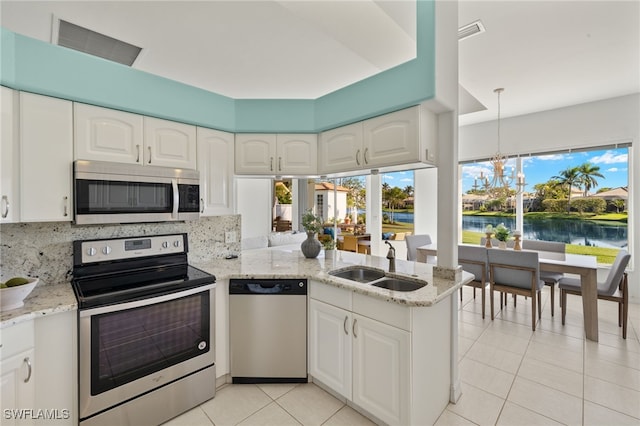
(398, 284)
(359, 274)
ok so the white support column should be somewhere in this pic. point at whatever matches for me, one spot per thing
(448, 202)
(519, 209)
(374, 210)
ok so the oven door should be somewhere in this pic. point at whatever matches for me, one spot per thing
(131, 348)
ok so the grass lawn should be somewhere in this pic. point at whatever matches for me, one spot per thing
(617, 217)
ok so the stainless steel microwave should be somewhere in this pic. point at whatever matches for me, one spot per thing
(107, 192)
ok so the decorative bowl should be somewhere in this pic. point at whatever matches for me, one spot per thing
(13, 297)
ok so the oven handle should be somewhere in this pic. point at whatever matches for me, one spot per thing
(176, 199)
(145, 302)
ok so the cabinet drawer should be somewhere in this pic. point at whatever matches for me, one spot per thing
(389, 313)
(16, 339)
(332, 295)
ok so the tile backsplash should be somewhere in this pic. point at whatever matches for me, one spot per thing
(44, 249)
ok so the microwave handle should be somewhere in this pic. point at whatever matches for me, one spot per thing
(176, 199)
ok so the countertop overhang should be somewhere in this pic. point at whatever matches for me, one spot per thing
(50, 298)
(290, 263)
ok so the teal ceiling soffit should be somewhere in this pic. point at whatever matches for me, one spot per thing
(275, 115)
(40, 67)
(402, 86)
(51, 70)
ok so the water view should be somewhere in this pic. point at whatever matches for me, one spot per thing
(590, 233)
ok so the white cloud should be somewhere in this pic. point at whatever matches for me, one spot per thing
(616, 169)
(552, 157)
(406, 180)
(610, 157)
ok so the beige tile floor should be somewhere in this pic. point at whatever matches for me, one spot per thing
(509, 376)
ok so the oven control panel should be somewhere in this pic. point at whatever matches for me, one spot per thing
(94, 251)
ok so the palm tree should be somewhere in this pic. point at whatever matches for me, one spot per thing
(588, 172)
(408, 190)
(568, 177)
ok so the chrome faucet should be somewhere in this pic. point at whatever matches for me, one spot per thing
(391, 255)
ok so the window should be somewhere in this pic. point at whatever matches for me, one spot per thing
(397, 204)
(578, 197)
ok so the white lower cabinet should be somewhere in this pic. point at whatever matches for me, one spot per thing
(362, 359)
(331, 346)
(381, 366)
(38, 371)
(17, 375)
(392, 361)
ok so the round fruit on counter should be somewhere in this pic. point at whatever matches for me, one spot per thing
(16, 281)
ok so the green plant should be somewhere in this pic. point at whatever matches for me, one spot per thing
(311, 222)
(502, 232)
(329, 244)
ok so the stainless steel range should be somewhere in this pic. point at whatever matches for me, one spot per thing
(145, 330)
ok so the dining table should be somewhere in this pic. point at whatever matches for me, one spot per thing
(583, 265)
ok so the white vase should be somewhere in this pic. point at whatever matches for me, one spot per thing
(502, 245)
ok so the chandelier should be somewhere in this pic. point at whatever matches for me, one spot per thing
(499, 183)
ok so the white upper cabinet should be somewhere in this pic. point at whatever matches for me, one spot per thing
(391, 139)
(169, 144)
(402, 139)
(255, 154)
(46, 155)
(9, 157)
(215, 164)
(341, 149)
(297, 154)
(107, 135)
(276, 154)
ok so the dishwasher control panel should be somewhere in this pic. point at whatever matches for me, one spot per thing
(267, 286)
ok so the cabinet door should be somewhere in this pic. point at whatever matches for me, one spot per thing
(215, 163)
(169, 144)
(107, 135)
(330, 346)
(17, 388)
(9, 157)
(297, 154)
(340, 150)
(381, 365)
(46, 135)
(392, 139)
(255, 154)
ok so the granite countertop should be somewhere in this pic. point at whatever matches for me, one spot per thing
(45, 299)
(49, 299)
(278, 263)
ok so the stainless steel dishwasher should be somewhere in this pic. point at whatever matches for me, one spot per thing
(268, 330)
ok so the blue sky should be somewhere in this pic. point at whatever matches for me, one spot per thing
(613, 165)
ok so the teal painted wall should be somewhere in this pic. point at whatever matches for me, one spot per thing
(275, 115)
(39, 67)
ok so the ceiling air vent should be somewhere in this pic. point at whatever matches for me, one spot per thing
(470, 30)
(87, 41)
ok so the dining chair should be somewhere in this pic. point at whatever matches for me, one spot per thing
(350, 243)
(473, 259)
(415, 241)
(516, 272)
(549, 278)
(614, 288)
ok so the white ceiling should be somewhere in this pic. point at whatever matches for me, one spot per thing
(546, 54)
